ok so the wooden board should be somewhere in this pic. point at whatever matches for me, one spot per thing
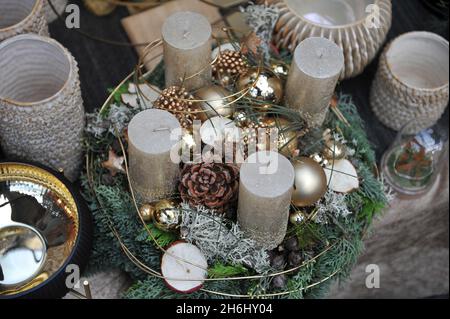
(145, 27)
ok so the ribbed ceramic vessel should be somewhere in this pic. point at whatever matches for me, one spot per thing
(59, 5)
(41, 109)
(359, 27)
(412, 81)
(22, 16)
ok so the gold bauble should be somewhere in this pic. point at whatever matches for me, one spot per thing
(146, 212)
(217, 101)
(166, 215)
(240, 118)
(318, 158)
(297, 217)
(310, 182)
(262, 85)
(280, 69)
(99, 7)
(334, 150)
(287, 139)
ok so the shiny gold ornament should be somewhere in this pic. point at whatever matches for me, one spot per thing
(99, 7)
(279, 69)
(310, 182)
(216, 101)
(146, 211)
(166, 215)
(240, 118)
(178, 101)
(297, 217)
(229, 66)
(287, 141)
(334, 150)
(263, 85)
(320, 159)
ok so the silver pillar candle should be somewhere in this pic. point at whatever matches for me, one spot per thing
(315, 71)
(265, 191)
(152, 134)
(41, 109)
(187, 50)
(23, 16)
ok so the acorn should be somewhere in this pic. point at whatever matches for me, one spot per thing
(292, 244)
(295, 259)
(279, 282)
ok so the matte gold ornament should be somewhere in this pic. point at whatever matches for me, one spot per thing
(216, 101)
(262, 85)
(334, 150)
(287, 142)
(166, 215)
(99, 7)
(297, 217)
(146, 211)
(310, 182)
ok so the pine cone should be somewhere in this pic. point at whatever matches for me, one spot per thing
(176, 100)
(230, 64)
(212, 185)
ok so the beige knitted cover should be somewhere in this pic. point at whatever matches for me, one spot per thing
(396, 104)
(34, 22)
(50, 131)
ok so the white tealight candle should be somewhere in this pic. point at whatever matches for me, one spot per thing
(265, 191)
(151, 136)
(187, 50)
(315, 71)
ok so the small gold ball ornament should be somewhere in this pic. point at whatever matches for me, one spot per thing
(216, 101)
(287, 141)
(334, 150)
(280, 69)
(166, 215)
(310, 182)
(146, 212)
(297, 217)
(261, 85)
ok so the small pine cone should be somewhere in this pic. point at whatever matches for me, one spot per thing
(176, 100)
(229, 63)
(212, 185)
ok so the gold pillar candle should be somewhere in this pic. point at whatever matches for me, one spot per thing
(152, 134)
(265, 191)
(187, 50)
(315, 71)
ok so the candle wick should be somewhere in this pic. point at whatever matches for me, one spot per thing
(186, 33)
(161, 129)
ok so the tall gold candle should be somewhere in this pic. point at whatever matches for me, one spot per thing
(265, 191)
(151, 137)
(314, 73)
(187, 50)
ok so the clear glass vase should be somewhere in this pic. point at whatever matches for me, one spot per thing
(415, 159)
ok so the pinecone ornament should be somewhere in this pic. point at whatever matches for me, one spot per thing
(176, 101)
(229, 65)
(213, 185)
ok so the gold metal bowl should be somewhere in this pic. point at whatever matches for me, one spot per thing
(45, 214)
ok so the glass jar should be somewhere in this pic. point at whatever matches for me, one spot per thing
(414, 160)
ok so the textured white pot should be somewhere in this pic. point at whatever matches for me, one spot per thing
(41, 110)
(412, 80)
(346, 22)
(60, 6)
(22, 16)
